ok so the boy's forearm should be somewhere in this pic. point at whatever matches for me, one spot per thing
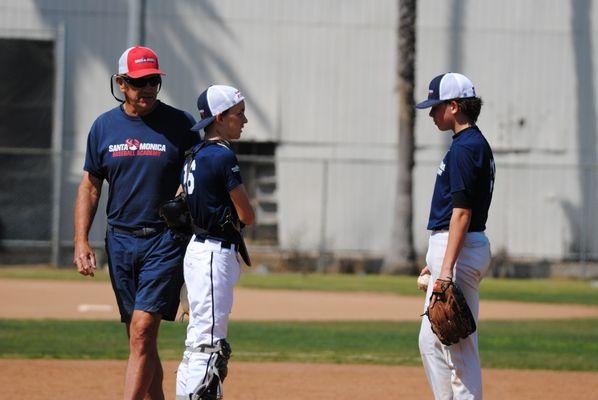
(457, 230)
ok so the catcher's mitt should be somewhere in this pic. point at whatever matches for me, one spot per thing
(176, 215)
(449, 314)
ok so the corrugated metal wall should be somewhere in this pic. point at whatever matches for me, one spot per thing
(533, 63)
(320, 80)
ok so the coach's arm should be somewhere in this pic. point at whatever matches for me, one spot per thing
(86, 205)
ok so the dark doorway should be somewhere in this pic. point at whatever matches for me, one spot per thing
(26, 116)
(258, 170)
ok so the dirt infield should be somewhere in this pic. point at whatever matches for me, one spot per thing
(103, 380)
(31, 299)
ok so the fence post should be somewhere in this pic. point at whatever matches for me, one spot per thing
(57, 134)
(321, 267)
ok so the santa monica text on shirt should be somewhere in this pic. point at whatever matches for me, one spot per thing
(143, 149)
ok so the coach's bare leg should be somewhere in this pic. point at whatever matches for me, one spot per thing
(143, 379)
(155, 391)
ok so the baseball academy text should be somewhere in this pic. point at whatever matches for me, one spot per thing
(133, 147)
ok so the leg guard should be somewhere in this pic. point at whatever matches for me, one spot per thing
(210, 387)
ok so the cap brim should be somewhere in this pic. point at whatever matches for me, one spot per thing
(203, 123)
(428, 103)
(144, 72)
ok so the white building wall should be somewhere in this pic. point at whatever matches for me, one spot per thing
(319, 77)
(533, 63)
(351, 184)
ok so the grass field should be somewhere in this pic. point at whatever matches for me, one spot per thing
(558, 345)
(527, 290)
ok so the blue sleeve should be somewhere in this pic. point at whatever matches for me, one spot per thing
(192, 138)
(93, 163)
(231, 171)
(462, 169)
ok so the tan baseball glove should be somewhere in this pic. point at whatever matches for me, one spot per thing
(449, 314)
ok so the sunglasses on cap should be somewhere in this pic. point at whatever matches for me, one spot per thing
(154, 80)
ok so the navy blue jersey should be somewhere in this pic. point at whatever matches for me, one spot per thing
(214, 172)
(467, 170)
(141, 158)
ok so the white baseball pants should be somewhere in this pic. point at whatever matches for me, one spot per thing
(454, 372)
(211, 273)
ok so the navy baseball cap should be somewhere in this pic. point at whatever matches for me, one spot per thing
(448, 86)
(213, 101)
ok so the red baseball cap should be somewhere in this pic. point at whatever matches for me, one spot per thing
(139, 61)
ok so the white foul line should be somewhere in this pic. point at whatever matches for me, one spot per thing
(94, 308)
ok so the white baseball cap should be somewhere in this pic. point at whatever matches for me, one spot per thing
(215, 100)
(448, 86)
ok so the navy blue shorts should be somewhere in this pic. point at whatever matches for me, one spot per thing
(146, 273)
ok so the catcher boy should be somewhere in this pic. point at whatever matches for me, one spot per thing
(458, 249)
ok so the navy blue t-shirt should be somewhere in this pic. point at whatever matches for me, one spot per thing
(140, 158)
(467, 167)
(213, 174)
